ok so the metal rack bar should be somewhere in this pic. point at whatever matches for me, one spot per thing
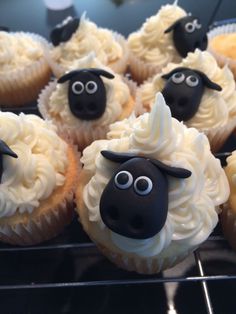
(203, 283)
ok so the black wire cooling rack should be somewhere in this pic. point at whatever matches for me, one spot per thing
(203, 283)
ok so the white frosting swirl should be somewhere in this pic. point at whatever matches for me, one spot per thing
(17, 50)
(216, 108)
(193, 202)
(39, 168)
(150, 43)
(117, 97)
(88, 38)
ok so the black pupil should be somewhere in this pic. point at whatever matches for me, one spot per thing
(178, 75)
(91, 86)
(122, 178)
(78, 87)
(142, 185)
(193, 79)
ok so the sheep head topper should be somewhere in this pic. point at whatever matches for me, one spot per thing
(5, 150)
(86, 92)
(134, 203)
(188, 34)
(64, 31)
(183, 91)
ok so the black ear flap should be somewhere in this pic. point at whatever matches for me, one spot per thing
(168, 75)
(117, 157)
(68, 76)
(170, 28)
(172, 171)
(207, 82)
(5, 150)
(101, 72)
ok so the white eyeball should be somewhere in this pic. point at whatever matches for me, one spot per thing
(192, 81)
(189, 27)
(123, 180)
(197, 25)
(178, 77)
(143, 185)
(91, 87)
(77, 88)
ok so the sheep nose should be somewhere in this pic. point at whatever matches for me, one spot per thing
(129, 226)
(178, 107)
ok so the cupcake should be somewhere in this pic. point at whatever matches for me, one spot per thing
(150, 194)
(75, 38)
(24, 70)
(228, 215)
(165, 37)
(38, 173)
(222, 44)
(85, 101)
(199, 93)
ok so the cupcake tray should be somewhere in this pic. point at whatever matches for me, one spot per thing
(68, 274)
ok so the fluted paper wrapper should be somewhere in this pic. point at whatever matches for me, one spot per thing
(45, 225)
(81, 138)
(23, 86)
(221, 59)
(141, 70)
(118, 66)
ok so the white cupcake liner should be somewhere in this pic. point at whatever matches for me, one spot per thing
(223, 60)
(141, 70)
(79, 137)
(118, 66)
(46, 225)
(22, 86)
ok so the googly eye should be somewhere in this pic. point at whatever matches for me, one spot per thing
(197, 25)
(77, 88)
(123, 180)
(91, 87)
(189, 27)
(178, 77)
(143, 185)
(192, 81)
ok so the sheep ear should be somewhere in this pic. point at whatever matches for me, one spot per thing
(172, 27)
(100, 72)
(172, 171)
(168, 75)
(117, 157)
(207, 82)
(5, 150)
(68, 76)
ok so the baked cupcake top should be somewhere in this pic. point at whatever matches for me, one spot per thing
(187, 196)
(39, 168)
(230, 171)
(213, 108)
(82, 40)
(18, 50)
(111, 92)
(167, 36)
(224, 44)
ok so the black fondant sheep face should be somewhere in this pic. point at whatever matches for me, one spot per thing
(4, 150)
(134, 203)
(188, 34)
(4, 29)
(63, 32)
(86, 92)
(183, 91)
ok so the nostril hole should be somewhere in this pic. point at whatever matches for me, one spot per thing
(92, 107)
(182, 102)
(113, 213)
(137, 223)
